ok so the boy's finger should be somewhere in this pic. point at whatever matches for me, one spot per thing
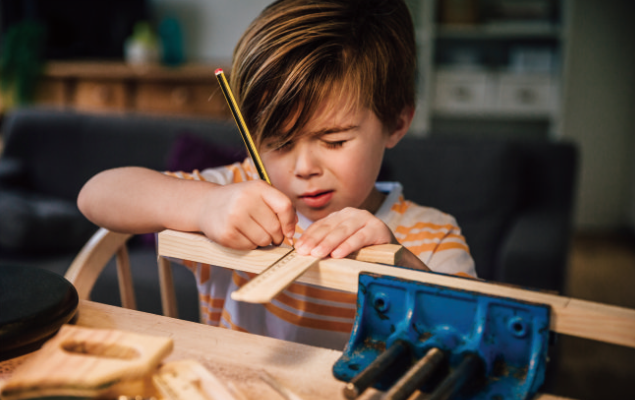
(320, 241)
(351, 244)
(268, 221)
(284, 210)
(255, 233)
(333, 228)
(336, 240)
(238, 241)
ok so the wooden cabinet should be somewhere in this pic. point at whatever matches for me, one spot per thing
(189, 90)
(180, 98)
(99, 95)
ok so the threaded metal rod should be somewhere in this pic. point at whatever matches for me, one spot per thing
(369, 375)
(416, 376)
(468, 369)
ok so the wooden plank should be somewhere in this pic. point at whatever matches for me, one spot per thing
(253, 260)
(270, 282)
(389, 254)
(569, 316)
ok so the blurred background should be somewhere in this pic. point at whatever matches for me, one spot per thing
(527, 70)
(536, 69)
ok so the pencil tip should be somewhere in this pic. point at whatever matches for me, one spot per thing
(218, 71)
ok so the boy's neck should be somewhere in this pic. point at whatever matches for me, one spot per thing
(373, 201)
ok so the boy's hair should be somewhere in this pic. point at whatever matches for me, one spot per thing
(298, 53)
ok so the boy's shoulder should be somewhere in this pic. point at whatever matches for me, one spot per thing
(406, 213)
(232, 173)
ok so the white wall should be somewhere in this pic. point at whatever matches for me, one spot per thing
(598, 110)
(211, 28)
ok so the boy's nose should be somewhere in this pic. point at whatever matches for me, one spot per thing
(306, 162)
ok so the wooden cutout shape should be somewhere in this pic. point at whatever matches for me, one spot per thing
(86, 362)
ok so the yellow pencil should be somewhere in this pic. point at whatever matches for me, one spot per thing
(242, 127)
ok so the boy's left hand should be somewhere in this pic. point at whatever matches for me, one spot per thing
(347, 231)
(342, 233)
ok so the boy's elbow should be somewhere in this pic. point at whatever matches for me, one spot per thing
(83, 201)
(87, 197)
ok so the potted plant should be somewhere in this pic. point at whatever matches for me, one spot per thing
(21, 64)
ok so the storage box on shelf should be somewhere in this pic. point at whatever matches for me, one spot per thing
(502, 94)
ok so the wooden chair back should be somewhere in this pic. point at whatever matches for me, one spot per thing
(95, 255)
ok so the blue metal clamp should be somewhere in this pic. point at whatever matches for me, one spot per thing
(510, 337)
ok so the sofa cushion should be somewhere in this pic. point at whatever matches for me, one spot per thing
(475, 181)
(41, 224)
(62, 150)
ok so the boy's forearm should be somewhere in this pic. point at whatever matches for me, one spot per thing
(138, 200)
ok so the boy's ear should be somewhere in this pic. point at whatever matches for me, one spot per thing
(403, 124)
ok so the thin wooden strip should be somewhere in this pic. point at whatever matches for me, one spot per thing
(166, 283)
(264, 287)
(569, 316)
(124, 277)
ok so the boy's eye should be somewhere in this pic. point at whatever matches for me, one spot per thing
(334, 145)
(284, 146)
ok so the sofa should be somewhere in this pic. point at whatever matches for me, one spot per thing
(512, 199)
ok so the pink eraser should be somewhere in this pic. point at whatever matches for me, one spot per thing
(218, 71)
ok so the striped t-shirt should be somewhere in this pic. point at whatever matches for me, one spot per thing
(315, 315)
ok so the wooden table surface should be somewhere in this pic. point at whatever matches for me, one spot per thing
(232, 356)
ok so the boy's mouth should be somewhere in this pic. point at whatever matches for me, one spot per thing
(317, 199)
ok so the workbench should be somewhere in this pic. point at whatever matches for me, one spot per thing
(232, 356)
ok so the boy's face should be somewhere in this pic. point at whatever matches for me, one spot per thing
(335, 161)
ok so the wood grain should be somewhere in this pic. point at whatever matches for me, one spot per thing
(264, 287)
(237, 358)
(276, 278)
(124, 278)
(569, 316)
(233, 357)
(189, 380)
(87, 362)
(389, 254)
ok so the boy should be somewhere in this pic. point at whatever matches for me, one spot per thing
(325, 87)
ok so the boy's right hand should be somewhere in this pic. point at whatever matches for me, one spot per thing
(247, 215)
